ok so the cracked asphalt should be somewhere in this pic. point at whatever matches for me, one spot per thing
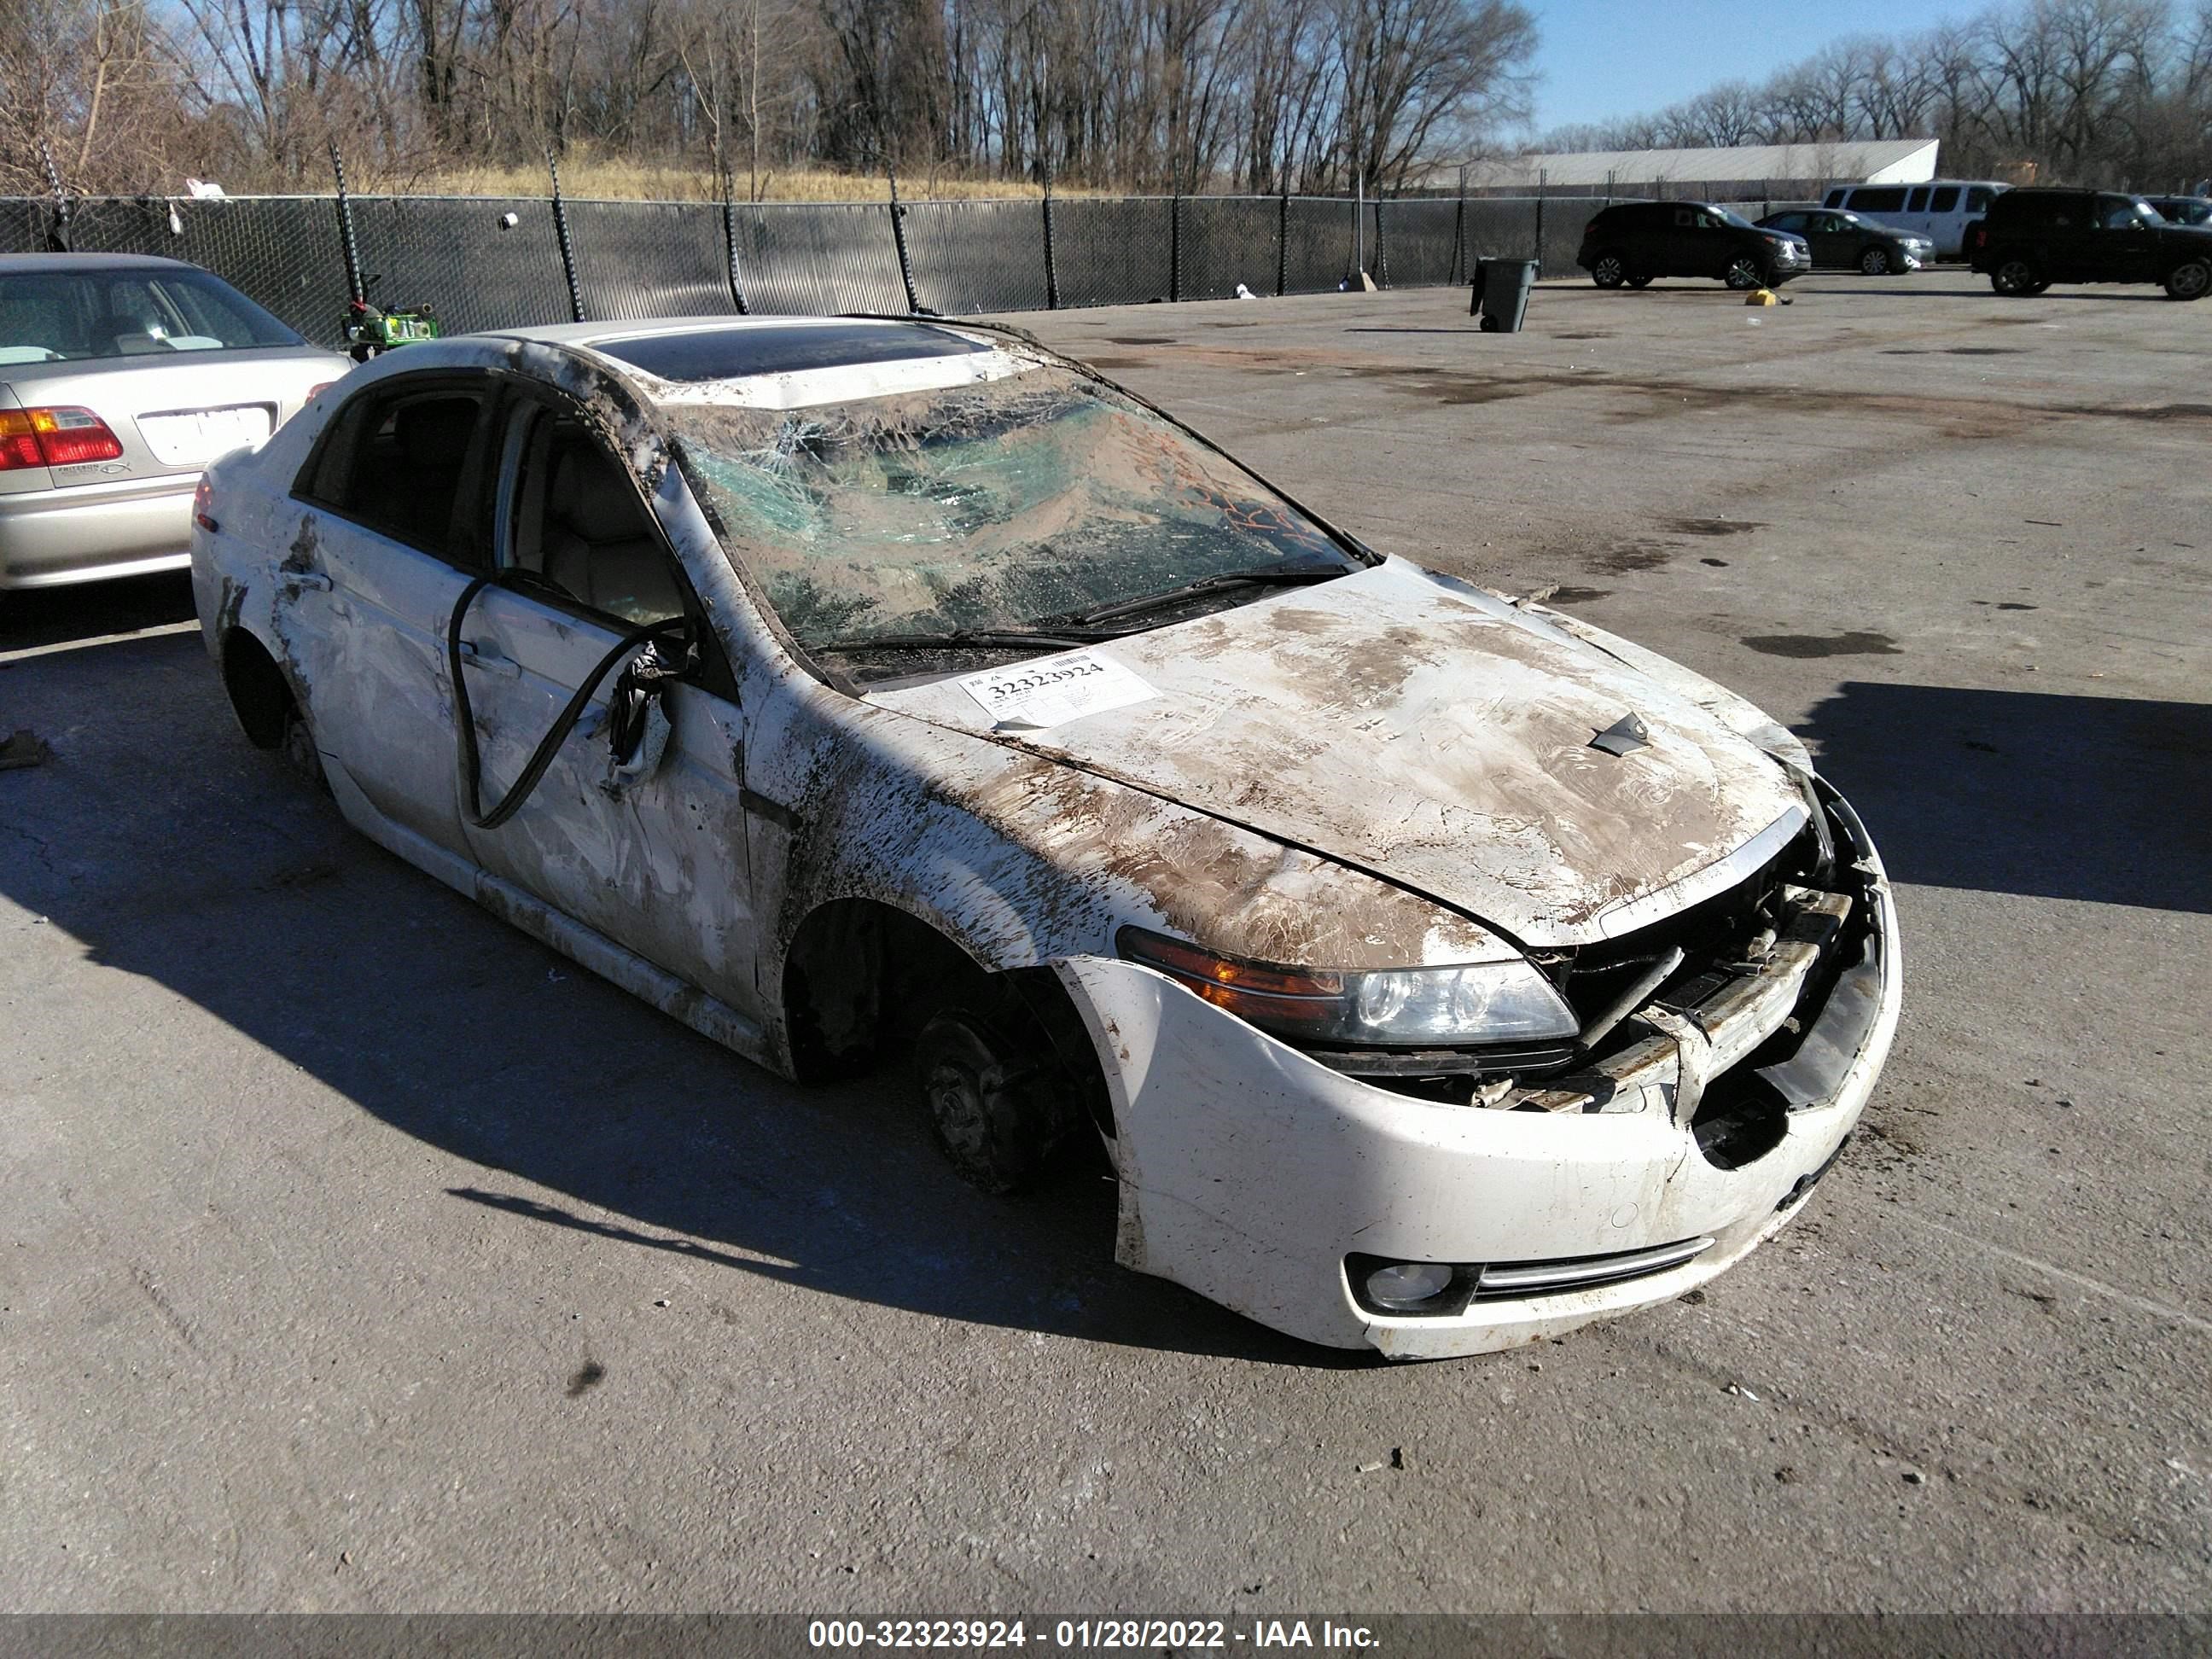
(358, 1253)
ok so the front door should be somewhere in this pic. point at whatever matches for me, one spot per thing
(2126, 244)
(652, 856)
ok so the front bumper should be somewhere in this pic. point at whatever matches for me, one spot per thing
(90, 532)
(1250, 1173)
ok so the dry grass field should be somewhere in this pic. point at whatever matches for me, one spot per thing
(587, 177)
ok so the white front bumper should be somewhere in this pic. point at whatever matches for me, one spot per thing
(1249, 1172)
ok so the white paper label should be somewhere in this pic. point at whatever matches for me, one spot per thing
(1053, 691)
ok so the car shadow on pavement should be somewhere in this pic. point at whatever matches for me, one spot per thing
(35, 616)
(170, 850)
(2104, 800)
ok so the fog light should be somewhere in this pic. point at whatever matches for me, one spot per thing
(1407, 1284)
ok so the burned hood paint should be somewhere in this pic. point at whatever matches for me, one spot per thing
(1428, 733)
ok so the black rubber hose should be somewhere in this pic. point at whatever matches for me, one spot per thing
(549, 744)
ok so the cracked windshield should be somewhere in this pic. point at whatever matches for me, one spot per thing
(1034, 503)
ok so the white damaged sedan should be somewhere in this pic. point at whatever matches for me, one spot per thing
(1438, 972)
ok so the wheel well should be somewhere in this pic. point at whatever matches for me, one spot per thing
(259, 693)
(863, 977)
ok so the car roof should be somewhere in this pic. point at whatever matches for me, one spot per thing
(14, 264)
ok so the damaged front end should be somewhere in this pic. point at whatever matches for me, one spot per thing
(1455, 1201)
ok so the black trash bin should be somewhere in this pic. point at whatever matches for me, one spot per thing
(1501, 294)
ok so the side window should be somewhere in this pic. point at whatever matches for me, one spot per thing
(1977, 198)
(2116, 213)
(1945, 200)
(1877, 201)
(1835, 199)
(573, 521)
(1684, 218)
(396, 460)
(1787, 222)
(1918, 202)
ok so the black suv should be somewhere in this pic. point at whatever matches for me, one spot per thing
(1636, 241)
(2032, 238)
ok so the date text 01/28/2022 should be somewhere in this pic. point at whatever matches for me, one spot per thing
(1126, 1634)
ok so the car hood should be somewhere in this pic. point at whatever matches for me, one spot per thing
(1428, 733)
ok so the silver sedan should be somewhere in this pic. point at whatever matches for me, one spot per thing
(121, 377)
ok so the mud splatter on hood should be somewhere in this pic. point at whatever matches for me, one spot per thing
(1430, 733)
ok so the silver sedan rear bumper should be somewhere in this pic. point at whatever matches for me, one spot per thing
(91, 533)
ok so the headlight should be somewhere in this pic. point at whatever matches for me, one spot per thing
(1479, 1002)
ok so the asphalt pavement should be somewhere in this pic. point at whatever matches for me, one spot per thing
(356, 1252)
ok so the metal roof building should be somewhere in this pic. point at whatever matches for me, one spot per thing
(1754, 167)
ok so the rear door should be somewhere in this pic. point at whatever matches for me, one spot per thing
(652, 856)
(2067, 238)
(391, 524)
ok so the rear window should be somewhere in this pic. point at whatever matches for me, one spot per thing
(51, 316)
(1877, 201)
(1978, 197)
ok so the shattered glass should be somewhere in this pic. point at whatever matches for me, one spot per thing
(1001, 505)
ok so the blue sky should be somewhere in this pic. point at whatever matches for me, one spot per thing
(1600, 59)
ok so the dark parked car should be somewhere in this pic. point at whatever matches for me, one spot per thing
(2184, 210)
(2032, 238)
(1636, 241)
(1848, 241)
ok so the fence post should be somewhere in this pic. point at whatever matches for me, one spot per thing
(1382, 249)
(1537, 253)
(898, 236)
(1358, 226)
(346, 247)
(561, 236)
(1283, 239)
(58, 232)
(1175, 239)
(1459, 230)
(729, 243)
(729, 182)
(1051, 268)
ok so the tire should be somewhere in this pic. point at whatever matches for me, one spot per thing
(992, 1112)
(1875, 261)
(1609, 269)
(2018, 278)
(300, 754)
(1744, 272)
(2191, 280)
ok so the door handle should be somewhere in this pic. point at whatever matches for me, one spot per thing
(305, 581)
(474, 655)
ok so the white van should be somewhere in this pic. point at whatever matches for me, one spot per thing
(1939, 210)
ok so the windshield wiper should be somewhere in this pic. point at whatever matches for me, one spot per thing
(1294, 575)
(1028, 639)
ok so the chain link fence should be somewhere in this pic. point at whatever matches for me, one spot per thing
(488, 262)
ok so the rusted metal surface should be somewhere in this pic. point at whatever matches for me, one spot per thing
(1431, 736)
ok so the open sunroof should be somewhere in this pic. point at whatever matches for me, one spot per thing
(729, 354)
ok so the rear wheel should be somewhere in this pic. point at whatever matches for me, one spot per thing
(2018, 277)
(1609, 271)
(2191, 280)
(1875, 261)
(1744, 271)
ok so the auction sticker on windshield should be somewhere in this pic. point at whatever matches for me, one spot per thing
(1053, 691)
